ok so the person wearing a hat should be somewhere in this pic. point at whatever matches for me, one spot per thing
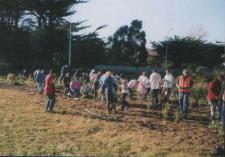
(184, 84)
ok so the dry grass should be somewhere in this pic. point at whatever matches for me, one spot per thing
(25, 129)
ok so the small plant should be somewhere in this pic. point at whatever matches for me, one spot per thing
(177, 115)
(167, 111)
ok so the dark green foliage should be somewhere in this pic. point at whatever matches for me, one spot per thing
(187, 50)
(35, 33)
(128, 45)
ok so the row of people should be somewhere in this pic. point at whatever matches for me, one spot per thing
(107, 85)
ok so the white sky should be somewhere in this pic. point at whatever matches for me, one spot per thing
(186, 17)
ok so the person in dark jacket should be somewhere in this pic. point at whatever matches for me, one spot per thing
(109, 86)
(78, 73)
(66, 84)
(63, 72)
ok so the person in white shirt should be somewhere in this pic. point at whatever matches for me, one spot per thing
(142, 85)
(155, 79)
(168, 82)
(131, 87)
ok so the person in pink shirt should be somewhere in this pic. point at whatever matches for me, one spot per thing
(75, 87)
(142, 86)
(49, 90)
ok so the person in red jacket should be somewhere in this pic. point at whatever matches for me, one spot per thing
(50, 91)
(213, 96)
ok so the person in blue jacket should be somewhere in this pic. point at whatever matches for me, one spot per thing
(40, 79)
(109, 86)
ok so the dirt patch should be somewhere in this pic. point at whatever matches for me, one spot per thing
(166, 134)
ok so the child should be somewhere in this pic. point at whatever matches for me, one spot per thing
(131, 87)
(75, 88)
(85, 89)
(142, 86)
(124, 91)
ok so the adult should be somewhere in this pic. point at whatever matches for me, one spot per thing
(40, 78)
(50, 91)
(66, 84)
(168, 81)
(214, 96)
(109, 86)
(142, 85)
(78, 73)
(124, 92)
(155, 79)
(95, 85)
(223, 105)
(184, 84)
(63, 72)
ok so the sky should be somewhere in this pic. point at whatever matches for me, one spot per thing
(161, 18)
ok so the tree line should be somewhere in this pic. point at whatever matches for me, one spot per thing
(35, 33)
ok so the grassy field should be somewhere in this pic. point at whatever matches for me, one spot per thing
(82, 127)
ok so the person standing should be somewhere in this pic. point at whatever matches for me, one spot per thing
(184, 84)
(214, 96)
(155, 79)
(131, 87)
(96, 85)
(64, 71)
(109, 86)
(143, 82)
(223, 106)
(66, 84)
(40, 78)
(50, 91)
(124, 91)
(168, 81)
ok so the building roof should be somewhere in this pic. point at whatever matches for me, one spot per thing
(152, 52)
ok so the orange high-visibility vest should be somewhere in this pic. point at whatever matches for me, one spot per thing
(185, 84)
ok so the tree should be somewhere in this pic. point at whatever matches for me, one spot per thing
(127, 45)
(188, 50)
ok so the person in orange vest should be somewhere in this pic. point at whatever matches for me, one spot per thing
(184, 84)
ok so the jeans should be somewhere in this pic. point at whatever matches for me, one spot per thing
(214, 106)
(40, 87)
(154, 95)
(110, 100)
(124, 102)
(50, 102)
(183, 102)
(75, 92)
